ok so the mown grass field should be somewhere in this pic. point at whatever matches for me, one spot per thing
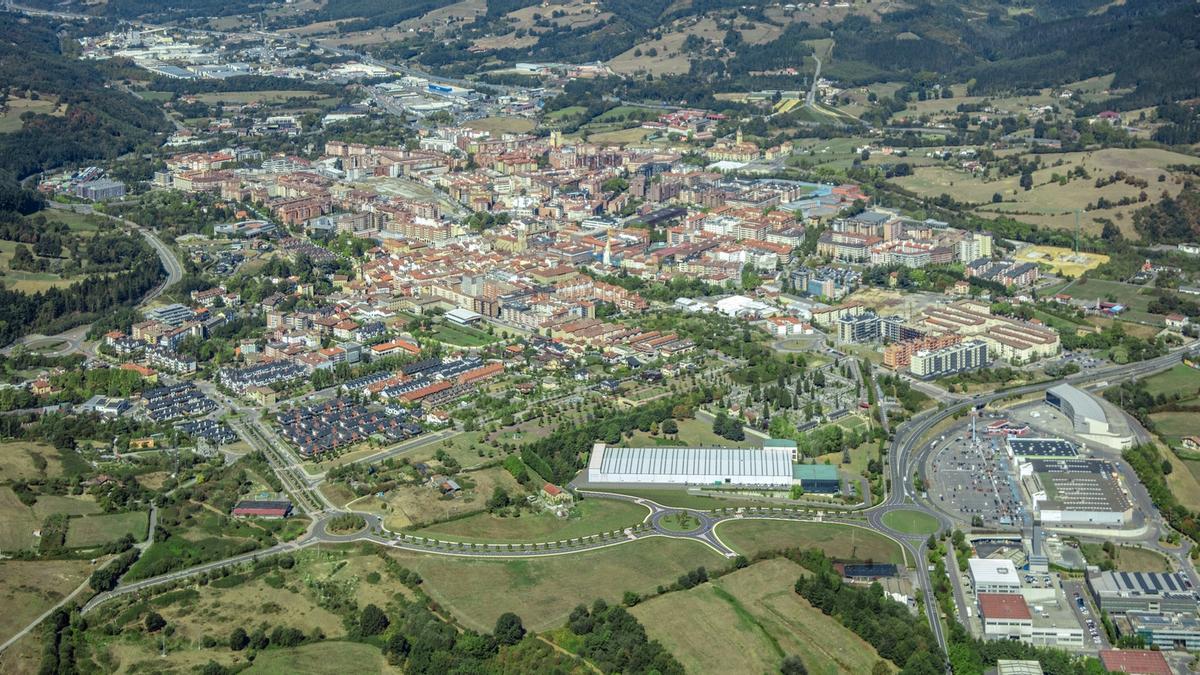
(1173, 426)
(26, 281)
(544, 590)
(503, 125)
(748, 621)
(72, 506)
(593, 517)
(10, 119)
(1180, 379)
(97, 530)
(911, 522)
(844, 542)
(461, 336)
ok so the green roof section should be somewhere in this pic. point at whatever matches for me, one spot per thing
(814, 472)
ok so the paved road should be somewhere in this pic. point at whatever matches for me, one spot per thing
(73, 340)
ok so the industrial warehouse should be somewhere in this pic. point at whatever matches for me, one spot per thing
(1075, 492)
(764, 467)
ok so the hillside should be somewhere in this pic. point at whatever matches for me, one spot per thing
(95, 121)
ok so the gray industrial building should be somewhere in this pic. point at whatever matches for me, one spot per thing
(1142, 592)
(767, 467)
(1088, 416)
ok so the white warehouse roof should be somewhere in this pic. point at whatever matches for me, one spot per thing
(987, 571)
(734, 466)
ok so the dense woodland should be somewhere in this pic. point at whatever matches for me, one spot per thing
(99, 122)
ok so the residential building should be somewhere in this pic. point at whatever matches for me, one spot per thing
(957, 358)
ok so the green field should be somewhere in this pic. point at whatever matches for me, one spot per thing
(502, 125)
(1173, 426)
(1129, 295)
(321, 658)
(590, 516)
(692, 432)
(47, 505)
(911, 522)
(17, 522)
(461, 336)
(544, 590)
(748, 621)
(88, 531)
(1181, 379)
(844, 542)
(266, 96)
(78, 222)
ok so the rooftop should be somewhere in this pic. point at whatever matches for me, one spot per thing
(993, 571)
(1003, 606)
(1135, 661)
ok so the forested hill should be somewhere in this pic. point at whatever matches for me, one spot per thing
(98, 123)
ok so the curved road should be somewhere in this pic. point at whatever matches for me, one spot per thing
(71, 341)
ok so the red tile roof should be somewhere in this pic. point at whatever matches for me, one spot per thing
(1003, 606)
(1135, 661)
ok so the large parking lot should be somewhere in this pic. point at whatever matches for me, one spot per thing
(971, 479)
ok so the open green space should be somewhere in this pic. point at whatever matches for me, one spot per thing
(87, 531)
(748, 621)
(1173, 426)
(1181, 379)
(692, 433)
(46, 505)
(841, 542)
(911, 522)
(1125, 558)
(265, 96)
(320, 658)
(461, 336)
(1129, 295)
(17, 522)
(588, 517)
(680, 522)
(30, 587)
(544, 590)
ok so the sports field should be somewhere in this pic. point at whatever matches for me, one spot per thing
(544, 590)
(844, 542)
(748, 621)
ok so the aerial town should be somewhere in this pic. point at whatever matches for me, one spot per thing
(405, 340)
